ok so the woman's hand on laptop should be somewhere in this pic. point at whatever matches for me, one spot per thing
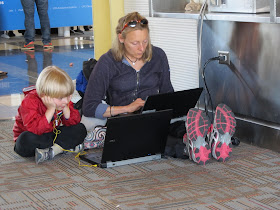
(135, 105)
(116, 110)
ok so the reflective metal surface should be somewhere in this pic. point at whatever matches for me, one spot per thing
(167, 6)
(250, 84)
(258, 134)
(260, 18)
(239, 6)
(176, 9)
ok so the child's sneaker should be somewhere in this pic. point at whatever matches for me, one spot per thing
(29, 46)
(43, 154)
(223, 130)
(79, 148)
(197, 126)
(48, 46)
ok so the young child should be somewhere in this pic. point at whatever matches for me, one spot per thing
(47, 123)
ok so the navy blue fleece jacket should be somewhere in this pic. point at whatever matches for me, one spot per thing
(118, 84)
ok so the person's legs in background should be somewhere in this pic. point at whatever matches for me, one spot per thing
(42, 7)
(29, 34)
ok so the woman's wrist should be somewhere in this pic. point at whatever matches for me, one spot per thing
(111, 111)
(116, 110)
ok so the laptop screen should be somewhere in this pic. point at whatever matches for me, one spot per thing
(180, 102)
(136, 135)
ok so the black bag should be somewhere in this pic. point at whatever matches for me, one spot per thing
(177, 129)
(174, 145)
(88, 66)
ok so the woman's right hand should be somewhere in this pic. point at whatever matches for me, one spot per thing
(135, 105)
(116, 110)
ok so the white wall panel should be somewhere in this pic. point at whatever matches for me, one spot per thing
(178, 38)
(141, 6)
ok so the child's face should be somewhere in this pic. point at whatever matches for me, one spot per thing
(61, 103)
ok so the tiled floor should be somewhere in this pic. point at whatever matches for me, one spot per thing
(23, 67)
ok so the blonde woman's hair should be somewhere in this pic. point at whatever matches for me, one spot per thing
(54, 82)
(118, 49)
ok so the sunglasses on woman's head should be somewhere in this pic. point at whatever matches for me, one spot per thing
(133, 23)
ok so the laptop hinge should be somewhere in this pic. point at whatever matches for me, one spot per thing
(134, 160)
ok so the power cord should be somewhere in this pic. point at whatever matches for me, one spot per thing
(234, 140)
(199, 30)
(219, 58)
(57, 132)
(199, 33)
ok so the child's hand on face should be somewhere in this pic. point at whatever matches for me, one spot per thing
(66, 109)
(68, 99)
(51, 106)
(49, 102)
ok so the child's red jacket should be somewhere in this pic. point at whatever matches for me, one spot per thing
(31, 116)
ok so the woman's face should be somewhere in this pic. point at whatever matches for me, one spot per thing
(135, 43)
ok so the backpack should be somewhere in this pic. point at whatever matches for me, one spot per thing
(82, 80)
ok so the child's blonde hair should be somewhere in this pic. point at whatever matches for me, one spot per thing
(54, 82)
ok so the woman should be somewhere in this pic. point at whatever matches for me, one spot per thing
(124, 76)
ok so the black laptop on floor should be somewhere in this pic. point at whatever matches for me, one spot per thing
(132, 139)
(180, 102)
